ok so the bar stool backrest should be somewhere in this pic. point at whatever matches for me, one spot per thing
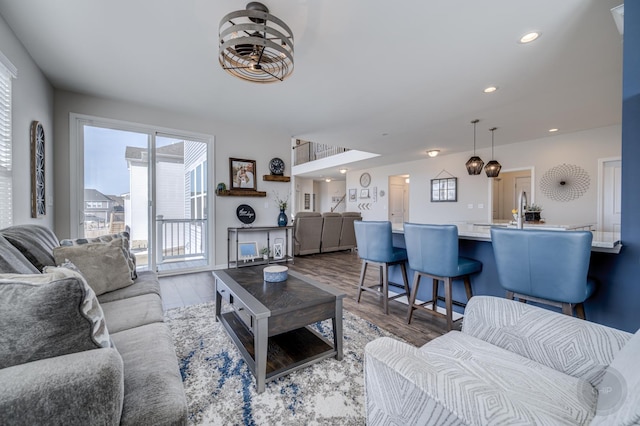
(546, 264)
(432, 249)
(374, 240)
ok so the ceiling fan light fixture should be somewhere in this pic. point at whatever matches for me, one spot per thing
(474, 164)
(492, 169)
(255, 46)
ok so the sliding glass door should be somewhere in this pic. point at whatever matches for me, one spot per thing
(153, 185)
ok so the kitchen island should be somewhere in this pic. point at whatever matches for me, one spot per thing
(475, 243)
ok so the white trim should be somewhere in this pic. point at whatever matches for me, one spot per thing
(4, 61)
(532, 169)
(600, 196)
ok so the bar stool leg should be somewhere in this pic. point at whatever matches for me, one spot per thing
(434, 294)
(467, 287)
(448, 302)
(580, 311)
(567, 309)
(414, 292)
(405, 280)
(509, 295)
(385, 287)
(362, 275)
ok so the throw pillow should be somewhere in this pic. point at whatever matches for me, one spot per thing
(124, 236)
(48, 315)
(103, 265)
(35, 242)
(12, 261)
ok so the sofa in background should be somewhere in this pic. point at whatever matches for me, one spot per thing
(321, 233)
(131, 379)
(512, 363)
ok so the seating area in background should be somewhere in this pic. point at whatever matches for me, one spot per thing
(375, 247)
(512, 363)
(323, 232)
(548, 267)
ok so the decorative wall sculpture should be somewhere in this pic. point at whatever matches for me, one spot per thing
(38, 193)
(565, 182)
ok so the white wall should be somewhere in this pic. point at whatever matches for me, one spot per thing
(581, 148)
(231, 140)
(326, 192)
(32, 99)
(303, 186)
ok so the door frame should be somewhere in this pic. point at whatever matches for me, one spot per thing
(76, 173)
(600, 195)
(531, 198)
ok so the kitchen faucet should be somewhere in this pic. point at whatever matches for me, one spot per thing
(522, 204)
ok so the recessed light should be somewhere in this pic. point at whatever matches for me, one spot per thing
(433, 152)
(490, 89)
(553, 130)
(327, 180)
(529, 37)
(343, 171)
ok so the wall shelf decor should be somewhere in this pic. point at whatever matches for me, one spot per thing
(241, 193)
(38, 192)
(444, 189)
(276, 178)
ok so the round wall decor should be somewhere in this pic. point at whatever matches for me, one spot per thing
(276, 166)
(365, 180)
(246, 214)
(565, 182)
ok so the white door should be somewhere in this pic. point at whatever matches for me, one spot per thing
(611, 195)
(396, 203)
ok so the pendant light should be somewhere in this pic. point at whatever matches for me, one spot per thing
(493, 167)
(474, 164)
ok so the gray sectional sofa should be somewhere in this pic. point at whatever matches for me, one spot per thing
(59, 364)
(322, 233)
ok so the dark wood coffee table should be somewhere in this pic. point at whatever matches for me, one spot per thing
(268, 322)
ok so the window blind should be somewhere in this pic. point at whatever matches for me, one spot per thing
(7, 72)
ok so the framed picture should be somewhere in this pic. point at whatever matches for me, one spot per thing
(353, 195)
(444, 190)
(307, 201)
(242, 174)
(364, 193)
(247, 250)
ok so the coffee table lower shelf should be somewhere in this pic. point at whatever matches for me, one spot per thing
(286, 352)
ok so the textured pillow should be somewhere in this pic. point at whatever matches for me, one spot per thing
(35, 242)
(48, 315)
(103, 265)
(12, 261)
(123, 236)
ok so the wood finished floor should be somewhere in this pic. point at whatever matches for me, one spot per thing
(340, 270)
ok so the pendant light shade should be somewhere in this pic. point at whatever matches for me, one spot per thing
(492, 169)
(474, 164)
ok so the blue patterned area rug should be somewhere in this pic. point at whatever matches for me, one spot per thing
(221, 390)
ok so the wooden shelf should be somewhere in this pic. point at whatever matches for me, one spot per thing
(276, 178)
(241, 193)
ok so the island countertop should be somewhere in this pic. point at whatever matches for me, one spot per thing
(608, 242)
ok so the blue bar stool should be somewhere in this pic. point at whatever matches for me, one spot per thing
(433, 252)
(375, 247)
(544, 266)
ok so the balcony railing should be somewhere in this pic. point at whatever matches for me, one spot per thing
(181, 239)
(310, 151)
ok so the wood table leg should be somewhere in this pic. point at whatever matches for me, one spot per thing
(337, 330)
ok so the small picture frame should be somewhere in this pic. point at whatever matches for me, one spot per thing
(247, 250)
(364, 193)
(242, 174)
(444, 190)
(353, 195)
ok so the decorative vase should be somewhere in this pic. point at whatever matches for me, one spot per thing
(532, 216)
(282, 218)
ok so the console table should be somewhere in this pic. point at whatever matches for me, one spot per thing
(233, 235)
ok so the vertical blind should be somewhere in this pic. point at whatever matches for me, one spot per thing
(7, 72)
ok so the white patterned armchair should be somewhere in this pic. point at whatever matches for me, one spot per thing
(512, 363)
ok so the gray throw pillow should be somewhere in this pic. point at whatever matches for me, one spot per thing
(123, 236)
(103, 265)
(35, 242)
(12, 261)
(48, 315)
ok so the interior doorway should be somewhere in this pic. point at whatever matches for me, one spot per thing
(399, 199)
(505, 190)
(609, 194)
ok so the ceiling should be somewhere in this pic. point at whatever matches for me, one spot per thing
(393, 78)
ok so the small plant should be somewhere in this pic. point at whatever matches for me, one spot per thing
(533, 208)
(264, 250)
(282, 203)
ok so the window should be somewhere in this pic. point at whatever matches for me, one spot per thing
(7, 72)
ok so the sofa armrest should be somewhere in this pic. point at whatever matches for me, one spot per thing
(397, 389)
(573, 346)
(75, 389)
